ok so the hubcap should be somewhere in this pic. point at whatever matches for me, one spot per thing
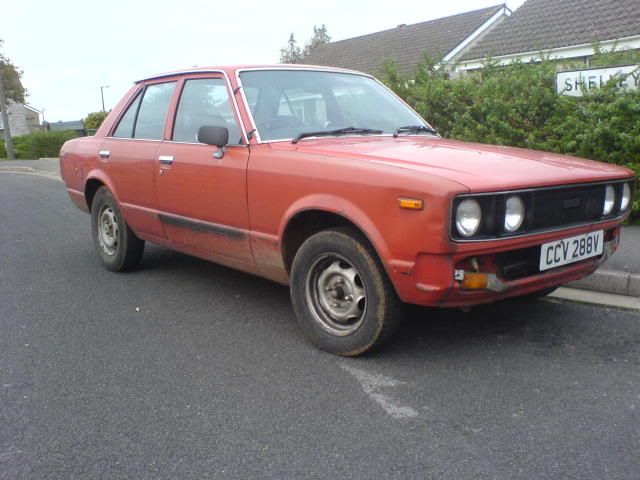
(335, 294)
(108, 232)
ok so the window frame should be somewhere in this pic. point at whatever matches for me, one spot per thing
(139, 93)
(134, 98)
(252, 123)
(232, 102)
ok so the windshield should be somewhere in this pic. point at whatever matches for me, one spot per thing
(287, 103)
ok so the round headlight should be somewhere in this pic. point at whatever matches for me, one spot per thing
(626, 197)
(609, 200)
(468, 217)
(514, 213)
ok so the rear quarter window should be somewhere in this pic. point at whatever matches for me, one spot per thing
(125, 127)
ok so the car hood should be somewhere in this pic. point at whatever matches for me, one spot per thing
(477, 166)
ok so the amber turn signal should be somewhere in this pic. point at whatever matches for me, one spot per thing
(411, 203)
(475, 281)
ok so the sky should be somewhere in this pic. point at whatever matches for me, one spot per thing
(69, 48)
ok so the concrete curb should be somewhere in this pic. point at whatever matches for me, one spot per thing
(30, 171)
(14, 169)
(616, 282)
(595, 298)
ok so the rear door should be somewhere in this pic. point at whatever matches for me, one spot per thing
(128, 155)
(202, 199)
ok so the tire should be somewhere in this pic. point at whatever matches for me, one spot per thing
(341, 295)
(116, 244)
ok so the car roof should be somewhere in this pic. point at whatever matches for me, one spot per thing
(230, 70)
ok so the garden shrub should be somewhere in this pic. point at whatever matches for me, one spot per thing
(38, 144)
(517, 105)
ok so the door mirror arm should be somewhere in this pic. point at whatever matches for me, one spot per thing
(219, 153)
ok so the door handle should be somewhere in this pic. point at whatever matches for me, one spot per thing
(104, 153)
(166, 159)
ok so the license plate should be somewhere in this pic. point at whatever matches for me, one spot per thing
(570, 250)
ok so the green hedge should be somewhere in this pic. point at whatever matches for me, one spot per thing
(517, 105)
(38, 144)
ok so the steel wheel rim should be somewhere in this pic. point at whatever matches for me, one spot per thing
(108, 231)
(335, 294)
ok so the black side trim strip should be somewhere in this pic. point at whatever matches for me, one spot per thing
(200, 226)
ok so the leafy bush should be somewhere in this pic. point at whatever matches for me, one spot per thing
(38, 144)
(94, 120)
(517, 105)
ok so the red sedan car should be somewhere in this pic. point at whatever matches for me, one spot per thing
(324, 180)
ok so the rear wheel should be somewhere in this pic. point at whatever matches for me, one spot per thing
(116, 244)
(341, 294)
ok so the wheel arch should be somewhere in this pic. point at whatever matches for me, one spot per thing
(311, 216)
(94, 181)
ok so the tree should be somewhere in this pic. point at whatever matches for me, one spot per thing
(320, 37)
(10, 89)
(94, 120)
(13, 88)
(291, 53)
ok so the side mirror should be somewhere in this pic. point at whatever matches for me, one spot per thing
(216, 136)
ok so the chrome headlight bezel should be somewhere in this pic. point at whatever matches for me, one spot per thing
(468, 210)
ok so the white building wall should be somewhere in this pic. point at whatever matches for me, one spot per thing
(22, 119)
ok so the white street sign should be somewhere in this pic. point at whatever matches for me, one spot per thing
(575, 82)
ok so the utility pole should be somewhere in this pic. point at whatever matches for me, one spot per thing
(8, 142)
(102, 95)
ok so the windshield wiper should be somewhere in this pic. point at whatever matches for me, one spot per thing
(415, 129)
(339, 131)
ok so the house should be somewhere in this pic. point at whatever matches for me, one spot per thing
(443, 39)
(23, 119)
(60, 126)
(560, 29)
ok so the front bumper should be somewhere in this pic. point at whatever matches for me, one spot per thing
(431, 279)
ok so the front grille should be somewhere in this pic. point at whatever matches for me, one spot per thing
(547, 208)
(566, 206)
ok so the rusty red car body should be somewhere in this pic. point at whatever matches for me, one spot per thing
(252, 208)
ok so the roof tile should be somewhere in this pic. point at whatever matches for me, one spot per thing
(540, 25)
(405, 44)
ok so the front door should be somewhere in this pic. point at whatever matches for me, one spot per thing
(202, 200)
(128, 155)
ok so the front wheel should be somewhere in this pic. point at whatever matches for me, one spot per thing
(341, 294)
(116, 244)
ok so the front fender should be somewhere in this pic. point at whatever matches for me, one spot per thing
(344, 208)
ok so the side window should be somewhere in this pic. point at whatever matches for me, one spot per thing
(125, 127)
(204, 102)
(153, 111)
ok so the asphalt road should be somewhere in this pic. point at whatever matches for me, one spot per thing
(211, 378)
